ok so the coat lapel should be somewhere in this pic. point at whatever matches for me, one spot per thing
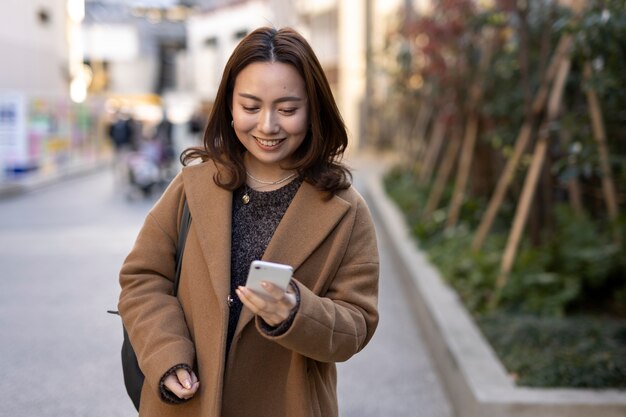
(211, 208)
(306, 223)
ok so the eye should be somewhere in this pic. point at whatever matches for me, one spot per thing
(288, 111)
(250, 109)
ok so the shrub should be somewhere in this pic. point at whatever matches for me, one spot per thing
(577, 352)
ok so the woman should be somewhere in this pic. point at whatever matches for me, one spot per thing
(268, 186)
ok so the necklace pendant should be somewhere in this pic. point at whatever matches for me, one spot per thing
(245, 199)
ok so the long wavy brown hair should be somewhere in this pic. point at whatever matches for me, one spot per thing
(318, 159)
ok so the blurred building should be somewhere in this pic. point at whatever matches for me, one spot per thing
(45, 123)
(133, 44)
(71, 59)
(33, 47)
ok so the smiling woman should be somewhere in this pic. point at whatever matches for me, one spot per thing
(283, 60)
(269, 186)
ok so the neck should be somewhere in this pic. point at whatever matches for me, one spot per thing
(259, 173)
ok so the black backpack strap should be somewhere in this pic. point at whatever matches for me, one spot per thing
(185, 221)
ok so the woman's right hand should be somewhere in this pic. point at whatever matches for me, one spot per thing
(182, 384)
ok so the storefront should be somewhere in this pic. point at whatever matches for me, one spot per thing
(46, 134)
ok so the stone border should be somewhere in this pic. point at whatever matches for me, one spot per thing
(474, 378)
(28, 182)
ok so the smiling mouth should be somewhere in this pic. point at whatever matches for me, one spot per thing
(269, 142)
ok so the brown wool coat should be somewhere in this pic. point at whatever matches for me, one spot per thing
(331, 244)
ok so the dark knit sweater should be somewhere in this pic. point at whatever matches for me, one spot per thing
(253, 226)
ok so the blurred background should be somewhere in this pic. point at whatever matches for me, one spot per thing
(75, 67)
(495, 126)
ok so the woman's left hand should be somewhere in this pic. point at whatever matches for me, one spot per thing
(274, 306)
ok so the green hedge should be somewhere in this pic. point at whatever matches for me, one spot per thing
(581, 352)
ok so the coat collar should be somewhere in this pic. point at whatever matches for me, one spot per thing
(306, 223)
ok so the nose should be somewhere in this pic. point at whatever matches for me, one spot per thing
(268, 122)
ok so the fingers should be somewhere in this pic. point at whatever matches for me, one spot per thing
(273, 290)
(182, 383)
(184, 378)
(274, 307)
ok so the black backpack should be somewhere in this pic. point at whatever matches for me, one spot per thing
(133, 376)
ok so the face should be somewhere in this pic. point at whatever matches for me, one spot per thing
(270, 114)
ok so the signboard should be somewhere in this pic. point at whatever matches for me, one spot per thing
(13, 142)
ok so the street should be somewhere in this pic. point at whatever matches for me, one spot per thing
(61, 248)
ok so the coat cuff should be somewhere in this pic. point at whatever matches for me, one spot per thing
(282, 328)
(167, 395)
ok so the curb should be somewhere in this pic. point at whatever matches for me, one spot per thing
(474, 378)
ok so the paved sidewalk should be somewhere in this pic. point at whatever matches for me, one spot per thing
(395, 374)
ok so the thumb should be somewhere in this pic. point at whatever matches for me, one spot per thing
(184, 378)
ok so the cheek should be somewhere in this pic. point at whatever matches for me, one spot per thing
(244, 121)
(297, 125)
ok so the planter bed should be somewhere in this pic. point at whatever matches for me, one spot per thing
(475, 379)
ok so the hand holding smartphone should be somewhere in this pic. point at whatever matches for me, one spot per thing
(277, 274)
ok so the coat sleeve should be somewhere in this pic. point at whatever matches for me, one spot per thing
(151, 314)
(333, 327)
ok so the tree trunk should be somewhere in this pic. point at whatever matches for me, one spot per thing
(530, 184)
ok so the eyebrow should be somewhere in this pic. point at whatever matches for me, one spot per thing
(278, 100)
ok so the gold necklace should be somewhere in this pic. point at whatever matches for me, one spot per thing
(245, 199)
(271, 182)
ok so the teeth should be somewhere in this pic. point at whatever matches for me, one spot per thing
(266, 142)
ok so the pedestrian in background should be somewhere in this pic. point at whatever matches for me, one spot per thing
(124, 134)
(121, 132)
(197, 122)
(164, 135)
(267, 184)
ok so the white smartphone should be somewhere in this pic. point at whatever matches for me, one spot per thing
(277, 274)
